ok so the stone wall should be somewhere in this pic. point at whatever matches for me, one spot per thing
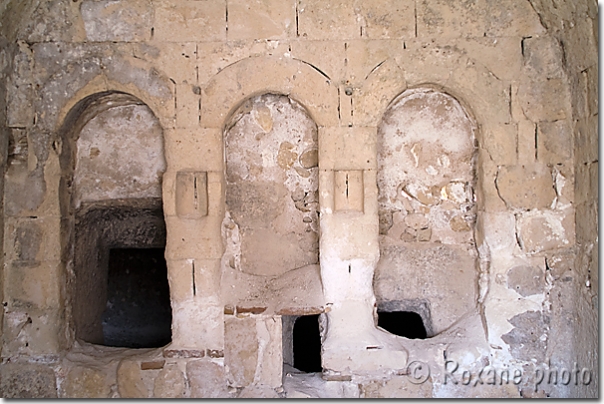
(321, 157)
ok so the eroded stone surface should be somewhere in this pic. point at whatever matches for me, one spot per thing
(272, 186)
(120, 155)
(426, 204)
(524, 274)
(170, 382)
(27, 381)
(207, 379)
(85, 382)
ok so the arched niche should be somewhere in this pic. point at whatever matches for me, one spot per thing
(426, 181)
(114, 234)
(271, 226)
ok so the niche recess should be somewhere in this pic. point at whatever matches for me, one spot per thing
(302, 343)
(271, 228)
(426, 181)
(114, 231)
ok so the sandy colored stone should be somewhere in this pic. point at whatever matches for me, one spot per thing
(501, 144)
(183, 21)
(119, 21)
(131, 381)
(448, 270)
(501, 55)
(177, 60)
(332, 19)
(85, 382)
(27, 381)
(349, 192)
(241, 350)
(586, 183)
(546, 230)
(424, 234)
(417, 221)
(187, 105)
(526, 141)
(207, 379)
(120, 155)
(458, 223)
(526, 187)
(525, 75)
(194, 149)
(31, 331)
(195, 240)
(269, 193)
(363, 56)
(347, 148)
(554, 142)
(258, 391)
(326, 56)
(543, 56)
(397, 387)
(369, 102)
(480, 18)
(19, 106)
(544, 100)
(170, 382)
(264, 19)
(191, 194)
(388, 20)
(526, 280)
(36, 284)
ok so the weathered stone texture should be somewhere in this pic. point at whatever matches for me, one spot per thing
(27, 381)
(170, 382)
(261, 19)
(207, 379)
(439, 276)
(189, 20)
(547, 230)
(117, 21)
(554, 141)
(397, 387)
(131, 381)
(457, 148)
(272, 186)
(85, 382)
(476, 19)
(526, 187)
(528, 339)
(119, 155)
(526, 280)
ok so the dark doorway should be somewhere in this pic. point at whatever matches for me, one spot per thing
(402, 323)
(138, 313)
(307, 344)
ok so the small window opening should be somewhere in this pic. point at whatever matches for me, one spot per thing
(302, 343)
(138, 312)
(402, 323)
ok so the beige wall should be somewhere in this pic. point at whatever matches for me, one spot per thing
(523, 72)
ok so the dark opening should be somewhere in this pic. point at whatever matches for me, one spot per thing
(307, 344)
(138, 313)
(402, 323)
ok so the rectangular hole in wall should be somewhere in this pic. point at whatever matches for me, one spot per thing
(138, 312)
(302, 344)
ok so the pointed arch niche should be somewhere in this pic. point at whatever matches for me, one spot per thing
(112, 161)
(427, 180)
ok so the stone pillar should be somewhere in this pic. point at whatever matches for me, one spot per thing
(350, 252)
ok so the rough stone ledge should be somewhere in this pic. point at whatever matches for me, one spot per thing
(184, 353)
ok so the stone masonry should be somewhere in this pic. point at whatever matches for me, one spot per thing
(302, 157)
